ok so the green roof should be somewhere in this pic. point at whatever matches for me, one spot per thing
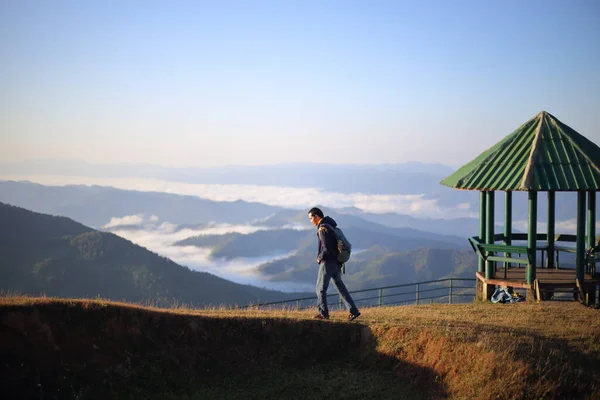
(542, 154)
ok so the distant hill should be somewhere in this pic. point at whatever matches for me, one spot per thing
(407, 178)
(257, 244)
(358, 221)
(56, 256)
(464, 227)
(96, 205)
(377, 266)
(275, 241)
(415, 265)
(373, 244)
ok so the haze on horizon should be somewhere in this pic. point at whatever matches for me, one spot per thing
(262, 82)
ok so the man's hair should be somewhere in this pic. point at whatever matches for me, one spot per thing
(316, 211)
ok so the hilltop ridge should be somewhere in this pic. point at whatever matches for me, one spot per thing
(57, 348)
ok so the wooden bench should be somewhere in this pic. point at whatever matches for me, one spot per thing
(488, 252)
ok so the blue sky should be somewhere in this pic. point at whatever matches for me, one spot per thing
(259, 82)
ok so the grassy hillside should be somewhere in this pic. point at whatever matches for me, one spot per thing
(95, 350)
(55, 256)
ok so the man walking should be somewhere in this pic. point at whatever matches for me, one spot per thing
(329, 267)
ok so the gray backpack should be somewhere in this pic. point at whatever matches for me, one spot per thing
(343, 245)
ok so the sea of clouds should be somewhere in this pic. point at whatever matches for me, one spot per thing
(416, 205)
(159, 236)
(151, 233)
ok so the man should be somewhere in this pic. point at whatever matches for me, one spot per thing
(329, 267)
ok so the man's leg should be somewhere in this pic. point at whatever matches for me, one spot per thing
(344, 294)
(322, 284)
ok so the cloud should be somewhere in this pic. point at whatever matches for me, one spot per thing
(289, 197)
(137, 219)
(214, 228)
(159, 238)
(560, 227)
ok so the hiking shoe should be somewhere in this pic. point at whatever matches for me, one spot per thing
(319, 316)
(352, 317)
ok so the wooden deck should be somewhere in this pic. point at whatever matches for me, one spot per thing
(547, 280)
(546, 275)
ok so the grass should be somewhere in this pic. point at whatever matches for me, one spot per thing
(87, 349)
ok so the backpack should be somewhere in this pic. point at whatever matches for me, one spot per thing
(343, 245)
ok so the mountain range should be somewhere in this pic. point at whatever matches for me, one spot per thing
(56, 256)
(95, 206)
(412, 178)
(90, 262)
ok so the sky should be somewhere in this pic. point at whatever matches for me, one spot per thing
(199, 83)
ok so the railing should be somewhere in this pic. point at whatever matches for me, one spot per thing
(492, 251)
(438, 291)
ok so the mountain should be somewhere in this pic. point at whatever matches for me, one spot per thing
(378, 267)
(359, 221)
(96, 205)
(406, 178)
(257, 244)
(465, 227)
(413, 178)
(56, 256)
(415, 265)
(274, 240)
(381, 255)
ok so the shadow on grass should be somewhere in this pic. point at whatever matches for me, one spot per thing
(73, 350)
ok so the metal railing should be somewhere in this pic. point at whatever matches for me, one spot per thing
(439, 291)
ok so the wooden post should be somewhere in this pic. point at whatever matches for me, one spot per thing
(482, 219)
(417, 294)
(591, 214)
(551, 228)
(450, 294)
(490, 266)
(507, 226)
(380, 297)
(532, 236)
(591, 220)
(487, 290)
(580, 247)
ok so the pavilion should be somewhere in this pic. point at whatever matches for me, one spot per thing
(542, 155)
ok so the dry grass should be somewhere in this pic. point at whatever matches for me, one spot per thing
(477, 351)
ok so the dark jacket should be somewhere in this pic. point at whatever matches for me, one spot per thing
(327, 250)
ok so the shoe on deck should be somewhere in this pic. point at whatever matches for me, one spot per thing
(319, 316)
(352, 317)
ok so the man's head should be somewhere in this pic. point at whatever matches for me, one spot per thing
(315, 215)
